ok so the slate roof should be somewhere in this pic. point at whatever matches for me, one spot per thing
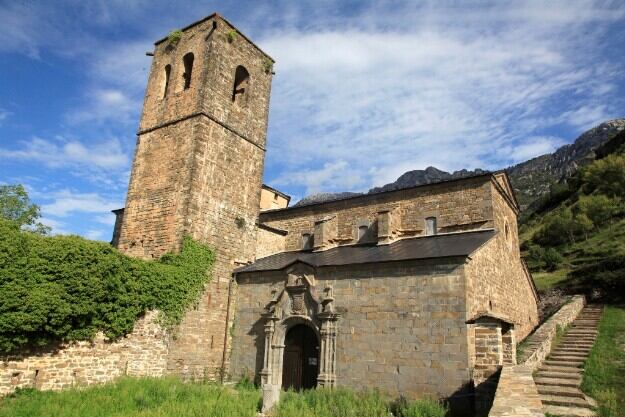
(430, 247)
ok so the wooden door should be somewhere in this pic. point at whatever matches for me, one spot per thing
(301, 359)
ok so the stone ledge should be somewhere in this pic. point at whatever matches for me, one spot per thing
(516, 395)
(544, 335)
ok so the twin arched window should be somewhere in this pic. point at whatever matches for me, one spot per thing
(239, 90)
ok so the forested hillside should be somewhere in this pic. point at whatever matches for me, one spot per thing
(575, 237)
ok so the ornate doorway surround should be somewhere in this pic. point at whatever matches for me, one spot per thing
(298, 304)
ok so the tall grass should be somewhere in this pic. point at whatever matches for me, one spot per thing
(132, 397)
(604, 371)
(169, 397)
(346, 403)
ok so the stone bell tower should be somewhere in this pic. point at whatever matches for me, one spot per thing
(198, 169)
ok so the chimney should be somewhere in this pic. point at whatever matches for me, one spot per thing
(385, 227)
(323, 234)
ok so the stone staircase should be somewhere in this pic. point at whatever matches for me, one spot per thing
(559, 377)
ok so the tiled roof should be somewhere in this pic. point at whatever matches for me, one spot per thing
(429, 247)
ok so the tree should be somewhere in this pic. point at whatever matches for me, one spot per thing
(599, 208)
(16, 207)
(606, 176)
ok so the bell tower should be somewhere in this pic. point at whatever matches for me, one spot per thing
(198, 169)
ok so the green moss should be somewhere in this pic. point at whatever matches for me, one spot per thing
(64, 288)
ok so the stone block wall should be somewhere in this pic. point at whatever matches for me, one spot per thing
(402, 327)
(197, 171)
(458, 206)
(497, 281)
(142, 353)
(268, 242)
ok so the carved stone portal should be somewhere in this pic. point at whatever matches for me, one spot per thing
(298, 303)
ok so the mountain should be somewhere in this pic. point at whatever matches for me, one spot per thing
(530, 179)
(425, 176)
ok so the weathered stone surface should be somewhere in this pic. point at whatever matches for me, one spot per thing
(141, 353)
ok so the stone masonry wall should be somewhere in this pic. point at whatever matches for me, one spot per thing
(458, 206)
(402, 328)
(142, 353)
(268, 243)
(496, 279)
(197, 170)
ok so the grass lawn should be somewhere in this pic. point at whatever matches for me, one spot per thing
(547, 280)
(169, 397)
(604, 372)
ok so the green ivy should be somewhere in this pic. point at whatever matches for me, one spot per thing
(65, 288)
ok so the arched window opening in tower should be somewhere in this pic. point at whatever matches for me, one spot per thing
(166, 82)
(188, 69)
(241, 85)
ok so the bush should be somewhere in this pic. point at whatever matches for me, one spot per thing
(552, 259)
(66, 288)
(607, 176)
(599, 208)
(562, 227)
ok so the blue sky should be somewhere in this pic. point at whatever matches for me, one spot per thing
(363, 91)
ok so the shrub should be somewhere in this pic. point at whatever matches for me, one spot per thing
(563, 227)
(66, 288)
(174, 36)
(552, 259)
(607, 176)
(599, 208)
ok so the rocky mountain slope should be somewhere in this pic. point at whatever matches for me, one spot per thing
(530, 179)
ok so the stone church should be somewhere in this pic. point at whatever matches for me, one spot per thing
(418, 291)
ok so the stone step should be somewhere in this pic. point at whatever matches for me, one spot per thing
(569, 364)
(560, 391)
(578, 340)
(567, 357)
(560, 382)
(569, 348)
(558, 410)
(571, 376)
(561, 369)
(565, 401)
(572, 360)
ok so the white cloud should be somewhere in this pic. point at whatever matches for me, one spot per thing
(94, 234)
(71, 153)
(4, 114)
(372, 102)
(107, 219)
(106, 105)
(531, 148)
(66, 202)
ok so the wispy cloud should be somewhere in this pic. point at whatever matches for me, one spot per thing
(66, 202)
(63, 153)
(431, 91)
(4, 114)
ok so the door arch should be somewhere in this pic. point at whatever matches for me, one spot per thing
(301, 358)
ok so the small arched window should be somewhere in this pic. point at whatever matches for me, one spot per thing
(166, 81)
(241, 85)
(188, 69)
(430, 226)
(307, 241)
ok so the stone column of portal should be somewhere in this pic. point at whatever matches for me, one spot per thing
(327, 360)
(271, 391)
